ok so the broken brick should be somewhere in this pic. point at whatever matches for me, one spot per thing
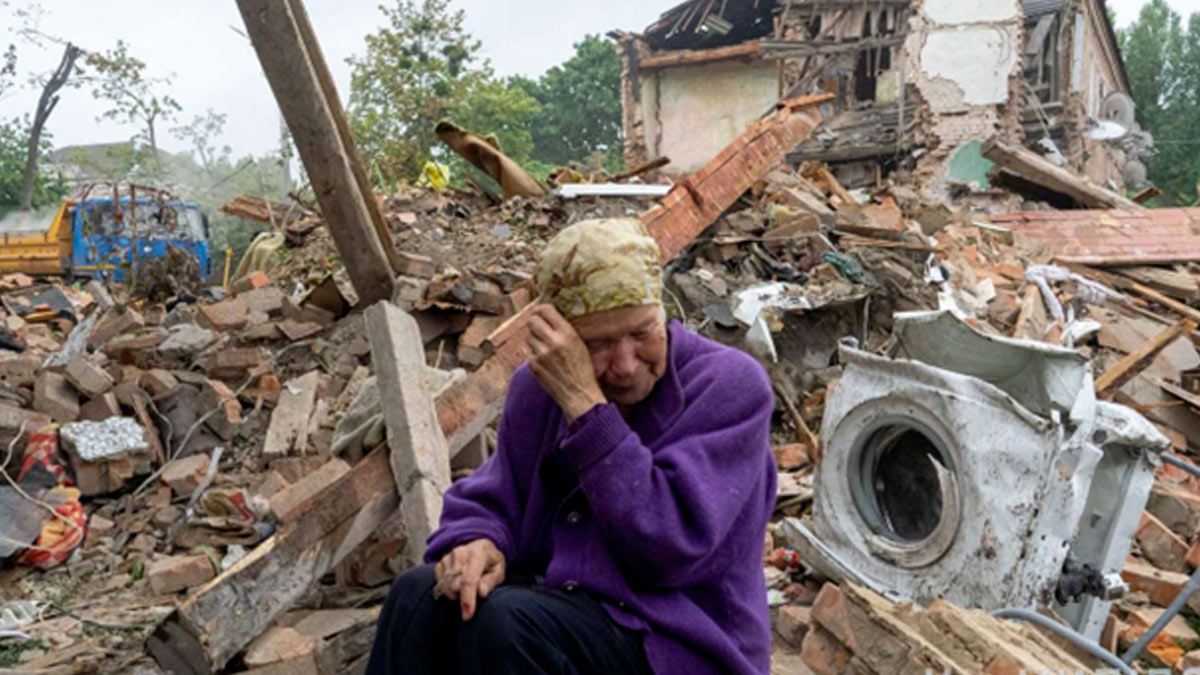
(137, 349)
(1160, 545)
(100, 408)
(419, 266)
(829, 610)
(54, 396)
(1160, 586)
(267, 301)
(1179, 510)
(157, 382)
(792, 623)
(185, 340)
(295, 330)
(225, 315)
(22, 372)
(471, 348)
(791, 456)
(177, 573)
(215, 394)
(115, 324)
(250, 282)
(289, 502)
(88, 378)
(271, 485)
(235, 363)
(186, 474)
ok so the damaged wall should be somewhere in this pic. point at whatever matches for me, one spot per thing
(967, 70)
(691, 113)
(1093, 74)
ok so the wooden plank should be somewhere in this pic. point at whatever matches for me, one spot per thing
(291, 72)
(420, 458)
(219, 619)
(1133, 363)
(1176, 283)
(347, 138)
(1032, 167)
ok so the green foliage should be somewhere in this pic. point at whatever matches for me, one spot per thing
(11, 651)
(14, 137)
(422, 67)
(1162, 57)
(581, 106)
(201, 135)
(134, 97)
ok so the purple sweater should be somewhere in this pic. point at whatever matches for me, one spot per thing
(661, 518)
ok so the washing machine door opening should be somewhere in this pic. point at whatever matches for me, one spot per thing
(904, 488)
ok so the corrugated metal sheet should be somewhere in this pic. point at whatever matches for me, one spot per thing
(1116, 237)
(1036, 8)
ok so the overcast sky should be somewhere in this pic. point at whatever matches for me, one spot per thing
(214, 67)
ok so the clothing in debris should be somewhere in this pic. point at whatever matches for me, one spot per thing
(660, 517)
(597, 265)
(522, 629)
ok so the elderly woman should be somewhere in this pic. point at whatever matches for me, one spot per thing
(618, 527)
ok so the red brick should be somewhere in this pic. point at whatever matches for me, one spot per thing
(157, 382)
(100, 408)
(54, 396)
(186, 474)
(1160, 586)
(88, 378)
(792, 623)
(824, 654)
(791, 456)
(170, 575)
(471, 350)
(225, 315)
(235, 363)
(114, 324)
(829, 610)
(250, 282)
(1160, 545)
(137, 349)
(216, 394)
(267, 300)
(415, 265)
(1179, 510)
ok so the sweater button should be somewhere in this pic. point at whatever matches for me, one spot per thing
(571, 585)
(574, 517)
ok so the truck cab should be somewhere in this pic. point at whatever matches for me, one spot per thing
(103, 237)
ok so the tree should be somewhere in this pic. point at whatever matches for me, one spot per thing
(8, 69)
(135, 98)
(201, 134)
(45, 105)
(1162, 61)
(581, 105)
(14, 136)
(422, 67)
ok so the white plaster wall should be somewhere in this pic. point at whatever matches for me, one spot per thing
(692, 113)
(971, 11)
(977, 60)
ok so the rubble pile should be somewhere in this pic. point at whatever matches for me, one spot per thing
(173, 432)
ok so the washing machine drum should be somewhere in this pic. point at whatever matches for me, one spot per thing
(931, 484)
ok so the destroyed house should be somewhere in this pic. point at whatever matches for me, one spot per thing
(918, 85)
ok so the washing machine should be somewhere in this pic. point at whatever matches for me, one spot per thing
(978, 469)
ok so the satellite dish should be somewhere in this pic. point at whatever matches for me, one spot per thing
(1105, 130)
(1120, 108)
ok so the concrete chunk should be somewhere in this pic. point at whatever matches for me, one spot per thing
(288, 431)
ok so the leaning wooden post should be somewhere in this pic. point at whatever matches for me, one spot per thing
(291, 65)
(420, 456)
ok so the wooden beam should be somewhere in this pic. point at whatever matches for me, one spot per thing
(1177, 283)
(291, 69)
(420, 458)
(691, 57)
(1133, 363)
(344, 134)
(1035, 169)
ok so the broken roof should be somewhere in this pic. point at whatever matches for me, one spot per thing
(1119, 236)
